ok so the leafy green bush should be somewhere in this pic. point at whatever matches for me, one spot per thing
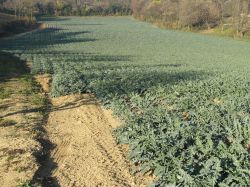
(67, 82)
(188, 138)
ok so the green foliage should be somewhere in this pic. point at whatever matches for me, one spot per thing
(25, 184)
(66, 10)
(68, 82)
(4, 93)
(188, 138)
(184, 98)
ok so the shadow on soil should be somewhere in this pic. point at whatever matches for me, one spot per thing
(12, 67)
(70, 105)
(43, 176)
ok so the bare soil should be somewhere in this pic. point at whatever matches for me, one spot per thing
(207, 31)
(86, 153)
(19, 119)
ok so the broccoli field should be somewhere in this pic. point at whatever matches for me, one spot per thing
(184, 98)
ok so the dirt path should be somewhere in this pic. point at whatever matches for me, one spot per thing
(86, 153)
(18, 121)
(21, 118)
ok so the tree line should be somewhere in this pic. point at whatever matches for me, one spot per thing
(65, 7)
(177, 14)
(196, 14)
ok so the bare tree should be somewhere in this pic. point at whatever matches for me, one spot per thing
(240, 17)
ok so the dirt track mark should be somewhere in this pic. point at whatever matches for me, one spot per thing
(86, 152)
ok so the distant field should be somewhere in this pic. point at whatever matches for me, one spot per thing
(184, 97)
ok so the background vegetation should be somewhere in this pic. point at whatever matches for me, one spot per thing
(231, 17)
(66, 7)
(228, 17)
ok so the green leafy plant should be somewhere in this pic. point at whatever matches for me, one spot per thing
(25, 184)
